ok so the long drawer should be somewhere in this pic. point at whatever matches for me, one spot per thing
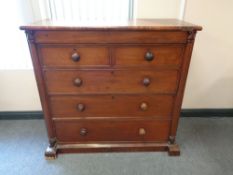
(110, 81)
(158, 106)
(108, 37)
(111, 130)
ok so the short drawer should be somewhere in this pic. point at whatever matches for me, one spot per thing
(74, 56)
(111, 130)
(150, 56)
(158, 106)
(111, 81)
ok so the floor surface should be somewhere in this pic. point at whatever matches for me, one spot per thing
(206, 149)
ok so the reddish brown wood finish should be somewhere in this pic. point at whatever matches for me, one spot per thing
(111, 81)
(109, 37)
(159, 106)
(111, 87)
(61, 56)
(173, 150)
(164, 56)
(131, 25)
(112, 130)
(80, 147)
(180, 92)
(40, 84)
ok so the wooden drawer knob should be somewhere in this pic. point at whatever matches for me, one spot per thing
(75, 57)
(83, 131)
(81, 107)
(144, 106)
(78, 82)
(142, 131)
(149, 56)
(146, 81)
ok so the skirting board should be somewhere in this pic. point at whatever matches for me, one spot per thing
(29, 115)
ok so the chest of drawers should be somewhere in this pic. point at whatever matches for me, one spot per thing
(115, 87)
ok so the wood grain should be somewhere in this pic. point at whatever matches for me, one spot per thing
(111, 81)
(164, 56)
(60, 56)
(109, 130)
(80, 147)
(41, 86)
(131, 25)
(182, 83)
(110, 37)
(159, 106)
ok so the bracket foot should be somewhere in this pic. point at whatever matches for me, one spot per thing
(173, 150)
(51, 150)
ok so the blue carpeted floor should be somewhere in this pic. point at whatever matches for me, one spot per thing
(206, 145)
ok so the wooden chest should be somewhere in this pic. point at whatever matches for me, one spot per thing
(111, 87)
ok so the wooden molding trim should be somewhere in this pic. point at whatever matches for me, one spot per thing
(30, 115)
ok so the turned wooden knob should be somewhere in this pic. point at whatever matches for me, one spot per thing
(141, 131)
(149, 56)
(144, 106)
(80, 107)
(75, 56)
(146, 81)
(83, 131)
(78, 82)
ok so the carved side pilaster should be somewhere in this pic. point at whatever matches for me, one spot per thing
(172, 140)
(30, 35)
(191, 35)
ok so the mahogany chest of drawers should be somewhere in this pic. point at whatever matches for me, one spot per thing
(115, 87)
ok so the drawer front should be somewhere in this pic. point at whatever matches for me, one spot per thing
(111, 37)
(159, 106)
(115, 81)
(110, 130)
(72, 56)
(162, 56)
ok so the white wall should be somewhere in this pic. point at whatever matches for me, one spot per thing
(18, 91)
(158, 8)
(210, 80)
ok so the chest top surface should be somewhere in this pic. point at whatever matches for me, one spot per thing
(137, 24)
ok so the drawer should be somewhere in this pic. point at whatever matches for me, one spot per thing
(154, 56)
(74, 56)
(110, 81)
(112, 130)
(104, 36)
(159, 106)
